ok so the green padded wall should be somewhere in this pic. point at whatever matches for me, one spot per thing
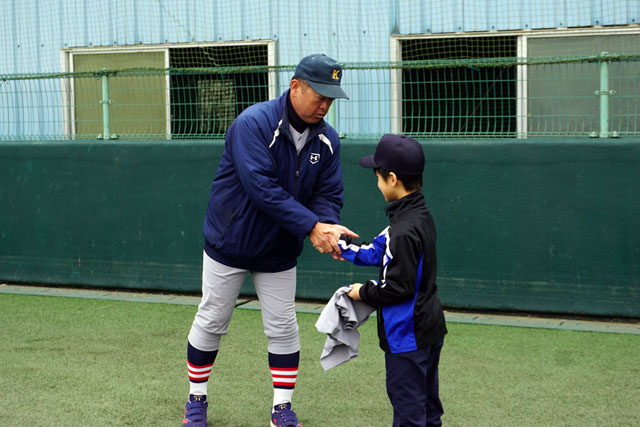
(534, 225)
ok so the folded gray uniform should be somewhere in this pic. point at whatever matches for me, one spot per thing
(340, 319)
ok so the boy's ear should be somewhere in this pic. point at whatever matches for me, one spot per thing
(393, 179)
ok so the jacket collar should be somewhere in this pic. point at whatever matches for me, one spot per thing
(408, 202)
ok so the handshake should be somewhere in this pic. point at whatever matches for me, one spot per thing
(324, 238)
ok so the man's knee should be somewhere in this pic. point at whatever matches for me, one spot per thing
(285, 340)
(204, 340)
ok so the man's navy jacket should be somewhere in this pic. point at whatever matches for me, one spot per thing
(266, 197)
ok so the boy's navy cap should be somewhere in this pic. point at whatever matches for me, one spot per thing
(323, 75)
(397, 153)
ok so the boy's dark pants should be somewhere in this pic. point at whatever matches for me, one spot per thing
(412, 386)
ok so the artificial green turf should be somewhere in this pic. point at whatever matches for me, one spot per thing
(72, 362)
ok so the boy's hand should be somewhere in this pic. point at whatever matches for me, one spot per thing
(341, 229)
(344, 230)
(354, 293)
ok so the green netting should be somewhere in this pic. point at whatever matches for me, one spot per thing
(151, 69)
(458, 98)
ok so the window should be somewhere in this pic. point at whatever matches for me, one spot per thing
(205, 104)
(518, 83)
(189, 101)
(561, 97)
(456, 100)
(138, 103)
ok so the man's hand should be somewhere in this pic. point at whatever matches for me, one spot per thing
(324, 237)
(354, 293)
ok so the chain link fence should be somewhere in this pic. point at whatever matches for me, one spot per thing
(590, 96)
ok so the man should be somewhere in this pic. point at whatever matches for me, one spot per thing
(279, 180)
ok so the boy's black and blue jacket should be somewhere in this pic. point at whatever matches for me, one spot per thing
(266, 197)
(410, 316)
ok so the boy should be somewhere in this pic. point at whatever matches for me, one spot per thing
(411, 324)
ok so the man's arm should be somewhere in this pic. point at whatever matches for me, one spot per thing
(255, 168)
(327, 198)
(327, 202)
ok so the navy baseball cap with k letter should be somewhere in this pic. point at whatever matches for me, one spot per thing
(397, 153)
(323, 75)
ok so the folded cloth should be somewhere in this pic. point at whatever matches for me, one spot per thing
(340, 319)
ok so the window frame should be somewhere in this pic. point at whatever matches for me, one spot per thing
(68, 85)
(522, 38)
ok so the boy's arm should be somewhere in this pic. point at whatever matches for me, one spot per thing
(400, 274)
(363, 253)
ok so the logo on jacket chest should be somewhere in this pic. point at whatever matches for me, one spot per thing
(314, 158)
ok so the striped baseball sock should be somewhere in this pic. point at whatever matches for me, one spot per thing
(284, 372)
(199, 364)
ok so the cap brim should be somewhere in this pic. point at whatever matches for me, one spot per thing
(330, 91)
(368, 162)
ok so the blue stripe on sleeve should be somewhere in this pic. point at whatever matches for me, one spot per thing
(398, 321)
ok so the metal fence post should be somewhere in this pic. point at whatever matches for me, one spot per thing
(604, 93)
(106, 102)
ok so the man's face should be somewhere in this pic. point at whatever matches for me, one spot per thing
(309, 104)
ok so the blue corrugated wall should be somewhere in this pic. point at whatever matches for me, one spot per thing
(34, 31)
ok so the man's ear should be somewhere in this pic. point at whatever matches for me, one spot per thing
(295, 86)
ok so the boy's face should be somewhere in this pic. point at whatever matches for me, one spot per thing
(386, 188)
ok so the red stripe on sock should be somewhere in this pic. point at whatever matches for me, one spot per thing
(199, 366)
(194, 370)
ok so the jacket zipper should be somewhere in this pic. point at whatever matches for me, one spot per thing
(298, 157)
(295, 181)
